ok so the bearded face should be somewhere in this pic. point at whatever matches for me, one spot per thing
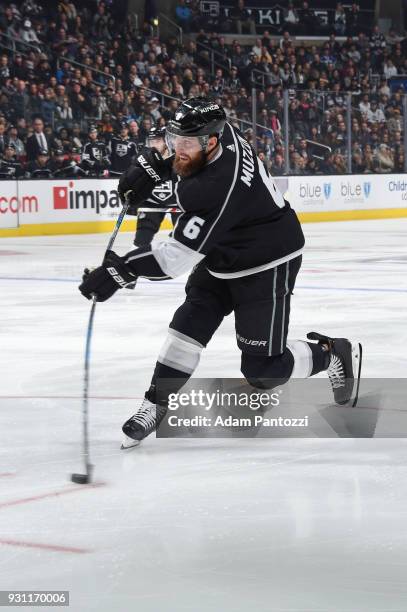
(191, 154)
(186, 164)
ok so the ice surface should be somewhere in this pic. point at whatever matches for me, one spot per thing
(195, 525)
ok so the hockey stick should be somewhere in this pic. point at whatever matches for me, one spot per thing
(161, 210)
(86, 477)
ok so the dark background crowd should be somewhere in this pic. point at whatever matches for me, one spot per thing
(81, 84)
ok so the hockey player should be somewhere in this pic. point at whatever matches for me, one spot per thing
(163, 195)
(41, 167)
(95, 159)
(122, 151)
(244, 243)
(61, 167)
(10, 167)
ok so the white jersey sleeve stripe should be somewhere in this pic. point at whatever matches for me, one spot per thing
(230, 189)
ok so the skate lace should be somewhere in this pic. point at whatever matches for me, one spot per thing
(336, 372)
(146, 416)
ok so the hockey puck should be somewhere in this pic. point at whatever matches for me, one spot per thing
(80, 478)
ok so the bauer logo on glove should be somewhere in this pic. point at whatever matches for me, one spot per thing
(146, 166)
(105, 280)
(119, 279)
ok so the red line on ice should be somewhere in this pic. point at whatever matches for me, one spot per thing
(51, 547)
(6, 475)
(26, 500)
(97, 397)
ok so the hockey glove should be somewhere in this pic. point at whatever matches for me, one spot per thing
(139, 180)
(105, 280)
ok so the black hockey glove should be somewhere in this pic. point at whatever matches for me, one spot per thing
(105, 280)
(139, 180)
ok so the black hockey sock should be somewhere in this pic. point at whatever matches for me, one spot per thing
(144, 236)
(165, 380)
(320, 358)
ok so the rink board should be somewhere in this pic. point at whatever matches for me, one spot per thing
(49, 207)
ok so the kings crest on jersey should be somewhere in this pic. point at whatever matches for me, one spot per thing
(164, 192)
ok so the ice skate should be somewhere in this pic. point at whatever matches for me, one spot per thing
(344, 367)
(142, 424)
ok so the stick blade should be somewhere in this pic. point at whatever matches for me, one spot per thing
(80, 478)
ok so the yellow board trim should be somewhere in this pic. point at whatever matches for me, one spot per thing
(92, 227)
(79, 227)
(352, 215)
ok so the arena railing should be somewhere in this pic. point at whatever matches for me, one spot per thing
(106, 76)
(15, 44)
(172, 24)
(343, 131)
(226, 64)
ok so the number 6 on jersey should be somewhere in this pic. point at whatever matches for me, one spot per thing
(193, 227)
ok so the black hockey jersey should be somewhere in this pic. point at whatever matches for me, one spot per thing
(122, 150)
(36, 171)
(234, 216)
(95, 156)
(10, 169)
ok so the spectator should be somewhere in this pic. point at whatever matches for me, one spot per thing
(278, 166)
(242, 19)
(307, 19)
(291, 19)
(77, 140)
(183, 15)
(394, 123)
(340, 20)
(383, 160)
(17, 143)
(377, 41)
(48, 106)
(389, 69)
(79, 101)
(3, 138)
(64, 115)
(38, 141)
(364, 105)
(375, 114)
(100, 26)
(27, 33)
(9, 22)
(399, 165)
(353, 20)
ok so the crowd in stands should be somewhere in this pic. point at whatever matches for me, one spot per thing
(81, 99)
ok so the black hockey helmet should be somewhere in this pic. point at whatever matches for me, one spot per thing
(199, 117)
(155, 133)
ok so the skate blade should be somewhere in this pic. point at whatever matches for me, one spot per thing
(357, 368)
(129, 443)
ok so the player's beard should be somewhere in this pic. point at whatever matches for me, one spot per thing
(185, 168)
